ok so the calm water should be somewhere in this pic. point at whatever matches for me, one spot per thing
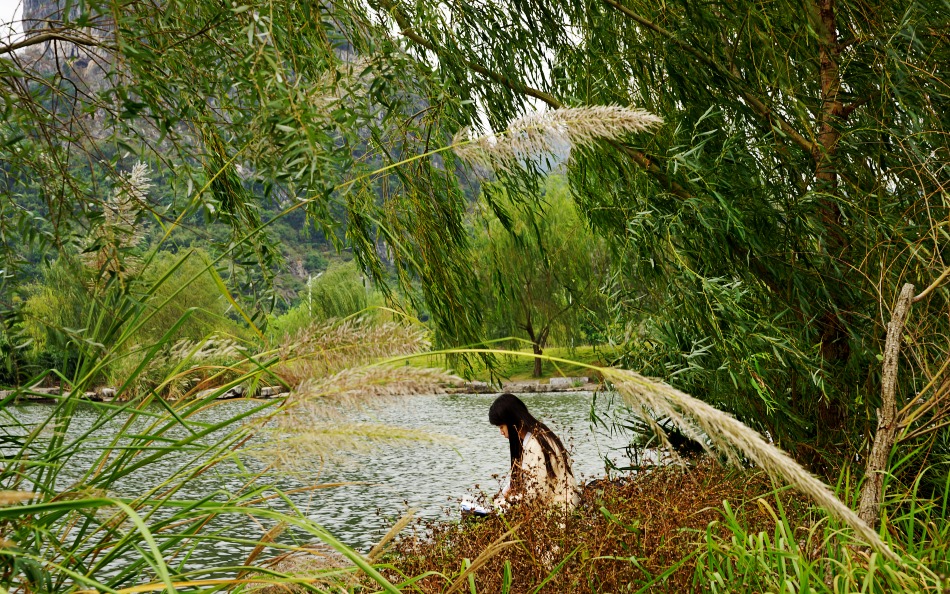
(430, 477)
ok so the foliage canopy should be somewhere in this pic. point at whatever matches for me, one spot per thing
(800, 178)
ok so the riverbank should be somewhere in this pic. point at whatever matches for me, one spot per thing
(109, 394)
(637, 531)
(553, 385)
(706, 529)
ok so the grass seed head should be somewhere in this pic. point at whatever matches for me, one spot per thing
(550, 133)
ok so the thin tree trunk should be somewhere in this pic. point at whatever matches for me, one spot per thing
(872, 491)
(537, 341)
(537, 359)
(832, 109)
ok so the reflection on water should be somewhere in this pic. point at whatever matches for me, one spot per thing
(430, 477)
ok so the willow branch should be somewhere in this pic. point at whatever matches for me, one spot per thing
(933, 286)
(758, 105)
(638, 157)
(54, 35)
(407, 31)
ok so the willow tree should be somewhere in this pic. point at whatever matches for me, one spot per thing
(800, 178)
(543, 273)
(235, 106)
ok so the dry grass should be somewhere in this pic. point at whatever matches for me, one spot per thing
(334, 346)
(699, 420)
(624, 532)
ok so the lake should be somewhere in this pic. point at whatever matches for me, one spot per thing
(429, 476)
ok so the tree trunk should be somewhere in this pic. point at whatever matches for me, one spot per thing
(872, 491)
(829, 120)
(537, 345)
(537, 359)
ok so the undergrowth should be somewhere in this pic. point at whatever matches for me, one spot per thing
(705, 529)
(634, 532)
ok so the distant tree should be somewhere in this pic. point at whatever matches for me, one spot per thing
(337, 293)
(543, 272)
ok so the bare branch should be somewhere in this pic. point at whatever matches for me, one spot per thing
(67, 35)
(933, 285)
(872, 491)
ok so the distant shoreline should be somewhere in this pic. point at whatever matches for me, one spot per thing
(106, 394)
(564, 384)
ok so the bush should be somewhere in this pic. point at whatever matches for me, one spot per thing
(337, 293)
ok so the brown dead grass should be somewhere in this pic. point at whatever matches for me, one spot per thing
(624, 533)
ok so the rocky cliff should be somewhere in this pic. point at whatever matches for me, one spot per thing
(39, 14)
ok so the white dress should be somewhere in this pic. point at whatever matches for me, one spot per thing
(560, 488)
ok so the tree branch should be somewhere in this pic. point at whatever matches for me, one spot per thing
(933, 285)
(51, 35)
(872, 491)
(757, 105)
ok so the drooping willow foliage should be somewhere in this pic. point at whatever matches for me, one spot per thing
(764, 230)
(234, 107)
(800, 178)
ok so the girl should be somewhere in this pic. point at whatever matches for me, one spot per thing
(540, 466)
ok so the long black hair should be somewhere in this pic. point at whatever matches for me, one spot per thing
(510, 411)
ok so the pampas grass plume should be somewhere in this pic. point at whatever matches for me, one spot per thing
(549, 132)
(732, 438)
(11, 497)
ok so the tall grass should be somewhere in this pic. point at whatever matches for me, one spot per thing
(73, 534)
(818, 557)
(108, 505)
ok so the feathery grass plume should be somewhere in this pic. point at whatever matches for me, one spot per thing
(215, 348)
(362, 386)
(311, 428)
(499, 545)
(120, 228)
(382, 546)
(314, 564)
(309, 447)
(327, 348)
(732, 438)
(11, 497)
(178, 368)
(269, 537)
(550, 132)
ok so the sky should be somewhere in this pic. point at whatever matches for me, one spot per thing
(9, 19)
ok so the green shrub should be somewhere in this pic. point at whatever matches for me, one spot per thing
(337, 293)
